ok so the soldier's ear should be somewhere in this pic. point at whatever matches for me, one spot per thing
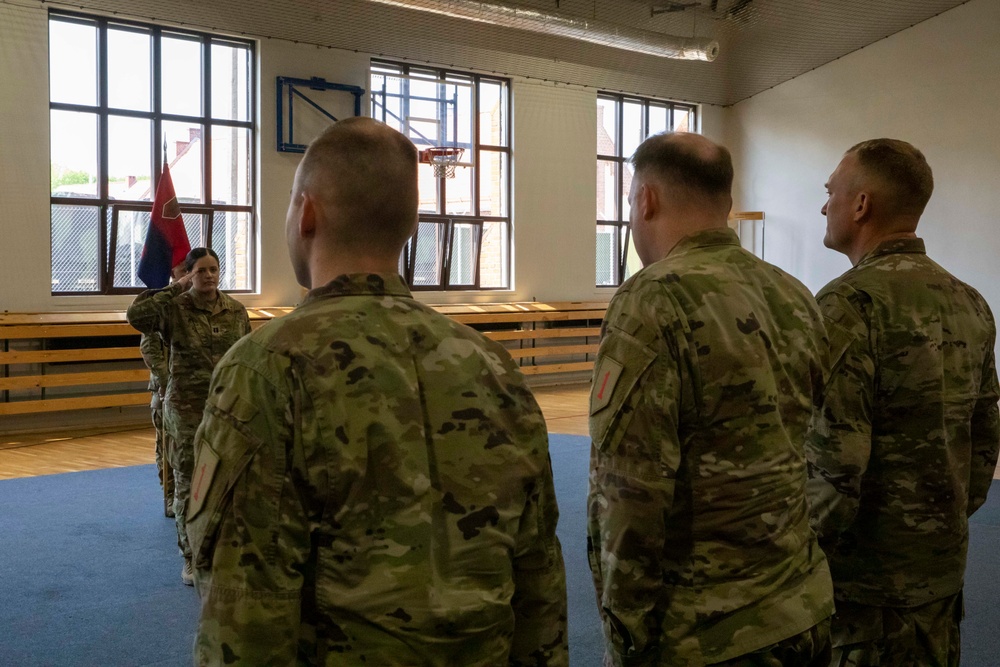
(648, 201)
(308, 216)
(862, 206)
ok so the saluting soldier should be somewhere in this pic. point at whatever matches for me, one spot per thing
(198, 323)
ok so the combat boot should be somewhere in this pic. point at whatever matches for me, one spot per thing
(187, 574)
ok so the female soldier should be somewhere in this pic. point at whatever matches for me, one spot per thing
(198, 324)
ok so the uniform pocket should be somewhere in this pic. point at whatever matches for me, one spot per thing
(622, 361)
(206, 513)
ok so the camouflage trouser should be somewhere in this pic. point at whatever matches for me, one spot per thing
(180, 454)
(807, 649)
(165, 473)
(928, 636)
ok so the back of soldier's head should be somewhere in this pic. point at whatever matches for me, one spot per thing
(900, 170)
(688, 163)
(365, 174)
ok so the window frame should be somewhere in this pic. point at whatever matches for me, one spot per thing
(441, 217)
(107, 208)
(622, 231)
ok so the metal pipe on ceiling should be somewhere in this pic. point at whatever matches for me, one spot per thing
(588, 30)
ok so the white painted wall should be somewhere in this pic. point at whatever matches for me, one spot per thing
(934, 85)
(554, 193)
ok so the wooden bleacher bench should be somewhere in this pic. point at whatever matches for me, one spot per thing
(56, 362)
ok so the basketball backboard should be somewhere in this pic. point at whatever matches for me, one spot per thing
(432, 112)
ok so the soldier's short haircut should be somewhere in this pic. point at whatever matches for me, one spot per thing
(368, 172)
(195, 254)
(901, 168)
(705, 172)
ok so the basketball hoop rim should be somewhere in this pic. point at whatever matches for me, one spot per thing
(441, 154)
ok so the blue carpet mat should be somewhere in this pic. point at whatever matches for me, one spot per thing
(91, 575)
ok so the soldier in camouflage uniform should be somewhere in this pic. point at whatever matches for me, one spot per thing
(905, 447)
(154, 353)
(373, 483)
(709, 367)
(199, 324)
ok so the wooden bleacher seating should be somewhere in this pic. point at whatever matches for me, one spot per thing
(55, 362)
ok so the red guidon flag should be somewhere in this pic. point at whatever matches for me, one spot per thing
(166, 241)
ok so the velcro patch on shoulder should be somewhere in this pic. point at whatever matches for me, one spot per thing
(605, 380)
(230, 401)
(201, 480)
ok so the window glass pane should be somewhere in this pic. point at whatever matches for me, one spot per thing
(659, 119)
(194, 225)
(626, 189)
(232, 241)
(184, 155)
(464, 254)
(72, 63)
(458, 191)
(129, 158)
(230, 165)
(423, 112)
(230, 94)
(492, 183)
(181, 76)
(632, 261)
(73, 154)
(430, 247)
(75, 232)
(494, 256)
(131, 233)
(607, 254)
(683, 120)
(457, 111)
(387, 101)
(632, 128)
(428, 185)
(492, 113)
(607, 126)
(607, 190)
(129, 70)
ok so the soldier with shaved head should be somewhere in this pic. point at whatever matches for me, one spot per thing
(709, 368)
(905, 447)
(373, 482)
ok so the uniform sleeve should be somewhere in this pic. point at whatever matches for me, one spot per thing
(154, 355)
(147, 312)
(985, 430)
(539, 602)
(244, 319)
(635, 455)
(838, 446)
(248, 528)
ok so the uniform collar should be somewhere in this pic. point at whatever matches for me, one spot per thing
(914, 246)
(202, 303)
(706, 238)
(361, 284)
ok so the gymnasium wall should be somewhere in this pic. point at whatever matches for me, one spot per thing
(554, 143)
(934, 85)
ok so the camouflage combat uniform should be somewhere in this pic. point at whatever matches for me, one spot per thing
(903, 451)
(373, 486)
(154, 353)
(197, 338)
(698, 535)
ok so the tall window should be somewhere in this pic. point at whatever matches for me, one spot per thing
(624, 122)
(124, 97)
(463, 239)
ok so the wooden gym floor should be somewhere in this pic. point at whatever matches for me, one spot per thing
(565, 409)
(564, 406)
